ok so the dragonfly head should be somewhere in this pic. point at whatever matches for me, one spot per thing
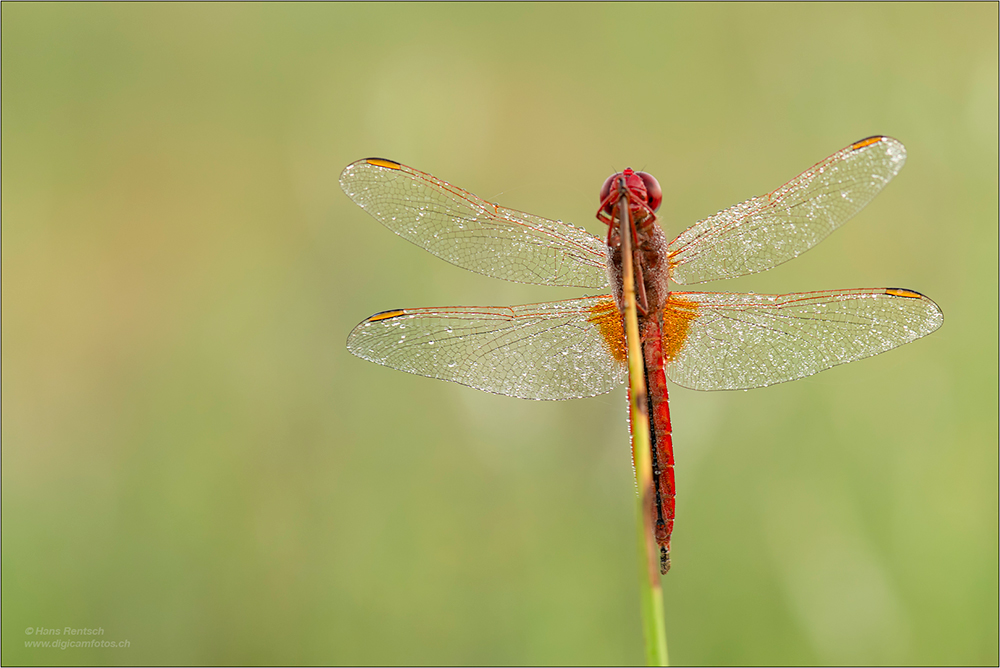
(645, 194)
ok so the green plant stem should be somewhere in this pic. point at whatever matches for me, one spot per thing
(650, 592)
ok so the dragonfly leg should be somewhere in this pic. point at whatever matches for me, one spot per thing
(640, 285)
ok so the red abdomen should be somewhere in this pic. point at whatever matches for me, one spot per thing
(661, 442)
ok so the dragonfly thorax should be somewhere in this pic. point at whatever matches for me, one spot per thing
(629, 200)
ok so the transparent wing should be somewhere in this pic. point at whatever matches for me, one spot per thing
(557, 350)
(765, 231)
(472, 233)
(731, 341)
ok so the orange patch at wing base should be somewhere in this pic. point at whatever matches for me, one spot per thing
(609, 321)
(677, 317)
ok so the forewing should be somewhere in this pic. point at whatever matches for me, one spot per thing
(731, 341)
(472, 233)
(556, 350)
(765, 231)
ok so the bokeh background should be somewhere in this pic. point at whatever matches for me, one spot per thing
(194, 463)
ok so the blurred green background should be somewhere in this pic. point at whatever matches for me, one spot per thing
(193, 462)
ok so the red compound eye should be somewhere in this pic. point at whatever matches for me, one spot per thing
(606, 188)
(654, 193)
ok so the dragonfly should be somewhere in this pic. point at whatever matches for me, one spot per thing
(700, 340)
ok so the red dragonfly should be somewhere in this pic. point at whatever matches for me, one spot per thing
(700, 340)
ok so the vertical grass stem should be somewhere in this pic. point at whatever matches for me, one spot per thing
(650, 591)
